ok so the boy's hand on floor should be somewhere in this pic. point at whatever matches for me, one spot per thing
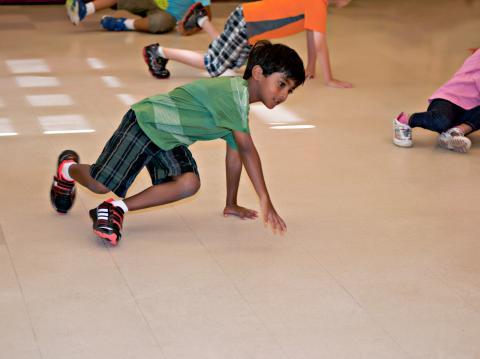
(239, 211)
(309, 74)
(339, 84)
(271, 217)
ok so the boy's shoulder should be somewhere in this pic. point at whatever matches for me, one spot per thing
(218, 89)
(217, 83)
(221, 94)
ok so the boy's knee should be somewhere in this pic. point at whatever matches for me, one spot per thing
(442, 123)
(190, 184)
(159, 29)
(158, 24)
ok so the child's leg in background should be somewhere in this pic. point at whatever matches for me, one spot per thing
(156, 22)
(187, 57)
(152, 19)
(440, 116)
(103, 4)
(451, 121)
(78, 10)
(229, 50)
(207, 26)
(470, 121)
(222, 52)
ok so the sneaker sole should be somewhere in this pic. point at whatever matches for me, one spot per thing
(457, 144)
(402, 144)
(72, 11)
(145, 58)
(460, 144)
(59, 210)
(110, 238)
(185, 18)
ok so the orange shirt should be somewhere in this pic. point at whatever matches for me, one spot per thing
(270, 19)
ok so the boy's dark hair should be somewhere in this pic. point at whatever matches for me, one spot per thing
(275, 58)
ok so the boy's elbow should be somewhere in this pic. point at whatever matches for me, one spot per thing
(244, 142)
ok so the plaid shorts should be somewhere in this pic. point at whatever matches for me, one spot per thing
(230, 50)
(129, 150)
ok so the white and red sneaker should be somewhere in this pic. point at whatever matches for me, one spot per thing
(107, 221)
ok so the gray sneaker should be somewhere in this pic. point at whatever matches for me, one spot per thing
(454, 140)
(402, 134)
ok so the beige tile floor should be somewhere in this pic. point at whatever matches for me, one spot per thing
(382, 258)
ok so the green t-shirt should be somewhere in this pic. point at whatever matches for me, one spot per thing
(199, 111)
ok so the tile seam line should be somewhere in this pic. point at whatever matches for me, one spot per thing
(339, 283)
(20, 287)
(232, 282)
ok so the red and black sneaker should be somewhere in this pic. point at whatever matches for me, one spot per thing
(62, 192)
(107, 221)
(156, 63)
(191, 17)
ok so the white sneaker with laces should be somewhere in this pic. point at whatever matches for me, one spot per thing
(454, 140)
(402, 134)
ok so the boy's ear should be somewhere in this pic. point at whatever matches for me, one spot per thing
(257, 72)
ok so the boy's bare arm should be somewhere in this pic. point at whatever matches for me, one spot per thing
(317, 45)
(250, 159)
(233, 165)
(312, 55)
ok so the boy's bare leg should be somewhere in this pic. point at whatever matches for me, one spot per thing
(141, 24)
(186, 57)
(103, 4)
(182, 186)
(209, 29)
(81, 174)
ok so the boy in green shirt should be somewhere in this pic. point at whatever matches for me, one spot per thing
(157, 131)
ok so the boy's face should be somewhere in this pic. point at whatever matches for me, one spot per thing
(275, 88)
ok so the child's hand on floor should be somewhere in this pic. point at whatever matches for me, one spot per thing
(271, 217)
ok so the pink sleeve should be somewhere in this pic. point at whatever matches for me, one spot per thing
(477, 84)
